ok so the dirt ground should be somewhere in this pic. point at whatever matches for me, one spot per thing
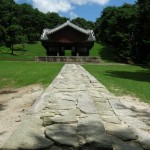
(14, 104)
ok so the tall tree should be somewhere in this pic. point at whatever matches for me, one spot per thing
(2, 34)
(115, 27)
(13, 36)
(142, 32)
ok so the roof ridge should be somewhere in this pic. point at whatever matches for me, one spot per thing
(68, 23)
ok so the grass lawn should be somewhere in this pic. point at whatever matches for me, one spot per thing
(18, 74)
(106, 52)
(22, 54)
(124, 79)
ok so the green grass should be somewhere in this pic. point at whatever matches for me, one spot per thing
(124, 79)
(19, 74)
(67, 52)
(22, 54)
(95, 50)
(106, 52)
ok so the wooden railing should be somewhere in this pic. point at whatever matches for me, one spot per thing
(82, 59)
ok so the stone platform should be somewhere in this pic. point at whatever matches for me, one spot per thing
(70, 59)
(76, 112)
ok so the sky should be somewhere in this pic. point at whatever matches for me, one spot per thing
(88, 9)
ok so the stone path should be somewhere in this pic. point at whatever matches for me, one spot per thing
(78, 112)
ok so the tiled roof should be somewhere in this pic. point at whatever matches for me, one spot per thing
(68, 23)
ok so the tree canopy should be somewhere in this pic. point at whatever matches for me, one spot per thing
(23, 23)
(127, 29)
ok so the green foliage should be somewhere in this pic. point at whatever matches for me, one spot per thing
(31, 20)
(142, 32)
(14, 74)
(53, 20)
(106, 52)
(123, 79)
(83, 23)
(115, 27)
(126, 28)
(13, 36)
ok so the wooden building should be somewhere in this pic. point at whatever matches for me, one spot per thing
(67, 36)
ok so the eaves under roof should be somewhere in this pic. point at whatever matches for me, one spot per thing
(47, 32)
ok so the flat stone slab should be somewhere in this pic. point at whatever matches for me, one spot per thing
(68, 103)
(94, 93)
(61, 107)
(121, 145)
(69, 118)
(103, 106)
(63, 134)
(132, 121)
(75, 112)
(91, 130)
(68, 98)
(85, 103)
(29, 135)
(111, 119)
(121, 131)
(115, 103)
(120, 109)
(144, 138)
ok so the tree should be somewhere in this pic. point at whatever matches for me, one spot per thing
(2, 34)
(32, 35)
(142, 32)
(81, 22)
(13, 36)
(53, 20)
(115, 27)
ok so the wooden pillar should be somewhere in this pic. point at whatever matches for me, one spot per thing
(58, 54)
(87, 52)
(77, 51)
(73, 51)
(62, 51)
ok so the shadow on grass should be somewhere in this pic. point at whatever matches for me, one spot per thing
(143, 76)
(107, 53)
(20, 50)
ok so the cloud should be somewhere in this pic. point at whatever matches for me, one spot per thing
(52, 5)
(23, 1)
(63, 5)
(84, 2)
(73, 15)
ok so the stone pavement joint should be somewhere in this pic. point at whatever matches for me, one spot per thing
(77, 112)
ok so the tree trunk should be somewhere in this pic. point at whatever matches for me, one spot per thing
(22, 44)
(12, 49)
